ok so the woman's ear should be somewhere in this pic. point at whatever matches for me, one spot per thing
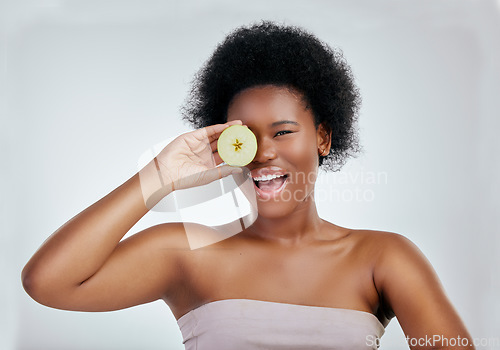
(324, 139)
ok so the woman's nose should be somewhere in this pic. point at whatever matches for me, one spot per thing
(265, 151)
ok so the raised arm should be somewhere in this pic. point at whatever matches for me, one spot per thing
(84, 266)
(414, 294)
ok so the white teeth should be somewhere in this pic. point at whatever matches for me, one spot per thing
(267, 177)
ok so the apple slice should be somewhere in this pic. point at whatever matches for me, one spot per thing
(237, 145)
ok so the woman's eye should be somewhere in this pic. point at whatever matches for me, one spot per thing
(283, 132)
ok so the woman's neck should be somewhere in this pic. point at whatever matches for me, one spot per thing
(301, 226)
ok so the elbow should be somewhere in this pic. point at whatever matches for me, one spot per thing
(47, 289)
(33, 284)
(30, 285)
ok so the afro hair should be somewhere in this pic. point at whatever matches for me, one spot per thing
(288, 56)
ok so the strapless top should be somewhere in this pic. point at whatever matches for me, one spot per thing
(234, 324)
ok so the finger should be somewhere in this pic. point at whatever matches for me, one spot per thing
(226, 170)
(213, 131)
(234, 122)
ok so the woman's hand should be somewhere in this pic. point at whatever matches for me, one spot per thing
(192, 159)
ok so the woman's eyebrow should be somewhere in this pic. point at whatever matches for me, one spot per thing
(281, 122)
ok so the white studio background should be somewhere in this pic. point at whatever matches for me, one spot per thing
(88, 86)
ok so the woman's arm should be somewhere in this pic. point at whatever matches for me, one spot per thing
(410, 287)
(84, 266)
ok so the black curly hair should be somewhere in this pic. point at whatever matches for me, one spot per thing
(288, 56)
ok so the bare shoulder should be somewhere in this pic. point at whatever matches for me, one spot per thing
(169, 236)
(393, 254)
(181, 240)
(385, 242)
(167, 241)
(381, 244)
(374, 236)
(173, 233)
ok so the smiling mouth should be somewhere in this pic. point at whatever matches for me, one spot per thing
(270, 187)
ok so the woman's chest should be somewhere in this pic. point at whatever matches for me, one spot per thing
(316, 276)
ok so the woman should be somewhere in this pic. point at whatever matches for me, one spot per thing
(291, 280)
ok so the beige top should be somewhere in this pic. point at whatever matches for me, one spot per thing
(254, 324)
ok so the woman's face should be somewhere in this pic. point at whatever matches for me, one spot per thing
(286, 162)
